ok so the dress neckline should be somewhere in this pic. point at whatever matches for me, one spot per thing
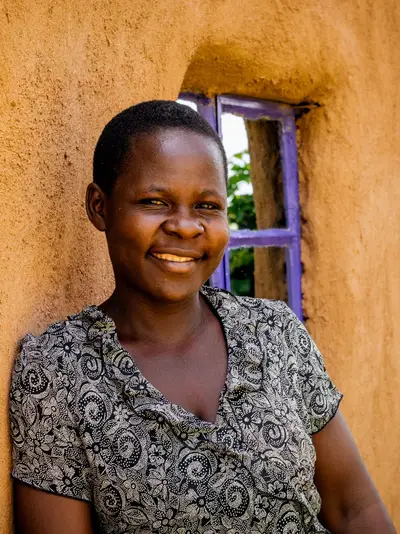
(107, 328)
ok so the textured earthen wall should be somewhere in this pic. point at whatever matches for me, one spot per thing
(67, 67)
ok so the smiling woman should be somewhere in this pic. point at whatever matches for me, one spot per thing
(173, 407)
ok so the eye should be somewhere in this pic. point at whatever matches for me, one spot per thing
(207, 206)
(153, 202)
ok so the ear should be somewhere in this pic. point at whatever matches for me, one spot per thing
(96, 206)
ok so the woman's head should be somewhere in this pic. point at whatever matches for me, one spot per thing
(159, 193)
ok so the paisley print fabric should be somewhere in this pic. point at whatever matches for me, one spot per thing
(86, 424)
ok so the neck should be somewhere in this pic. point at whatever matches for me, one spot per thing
(139, 319)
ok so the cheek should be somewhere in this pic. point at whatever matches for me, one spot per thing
(219, 234)
(133, 232)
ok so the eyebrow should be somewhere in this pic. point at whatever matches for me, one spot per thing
(206, 192)
(211, 192)
(157, 189)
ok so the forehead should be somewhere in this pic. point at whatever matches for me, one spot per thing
(174, 151)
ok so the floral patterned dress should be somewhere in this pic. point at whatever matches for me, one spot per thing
(86, 424)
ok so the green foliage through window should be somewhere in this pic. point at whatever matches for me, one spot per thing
(241, 215)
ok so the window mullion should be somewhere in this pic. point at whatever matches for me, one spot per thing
(288, 149)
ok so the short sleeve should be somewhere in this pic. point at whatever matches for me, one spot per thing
(47, 452)
(318, 398)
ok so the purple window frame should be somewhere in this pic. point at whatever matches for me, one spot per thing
(289, 237)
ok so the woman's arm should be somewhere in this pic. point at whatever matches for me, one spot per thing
(38, 512)
(350, 501)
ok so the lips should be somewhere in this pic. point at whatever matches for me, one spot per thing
(175, 260)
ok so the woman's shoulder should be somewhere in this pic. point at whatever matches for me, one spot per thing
(47, 365)
(235, 305)
(273, 321)
(61, 339)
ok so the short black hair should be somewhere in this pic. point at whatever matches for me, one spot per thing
(114, 143)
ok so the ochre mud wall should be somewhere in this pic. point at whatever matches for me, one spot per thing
(67, 67)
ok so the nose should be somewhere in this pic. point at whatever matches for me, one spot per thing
(183, 224)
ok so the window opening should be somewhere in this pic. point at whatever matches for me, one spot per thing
(241, 271)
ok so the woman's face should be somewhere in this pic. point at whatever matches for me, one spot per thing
(166, 218)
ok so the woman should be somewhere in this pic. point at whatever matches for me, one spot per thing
(173, 407)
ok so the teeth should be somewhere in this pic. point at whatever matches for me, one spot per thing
(172, 257)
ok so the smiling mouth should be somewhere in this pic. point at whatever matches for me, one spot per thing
(173, 258)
